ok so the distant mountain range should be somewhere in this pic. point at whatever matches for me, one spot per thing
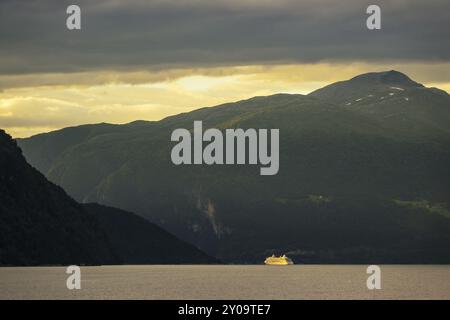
(41, 225)
(364, 175)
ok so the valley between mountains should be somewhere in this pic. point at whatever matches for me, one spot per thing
(364, 176)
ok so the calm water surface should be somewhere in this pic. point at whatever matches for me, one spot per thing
(227, 282)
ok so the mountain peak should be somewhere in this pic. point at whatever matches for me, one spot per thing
(391, 77)
(8, 146)
(366, 84)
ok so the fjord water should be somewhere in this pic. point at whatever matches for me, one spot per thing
(227, 282)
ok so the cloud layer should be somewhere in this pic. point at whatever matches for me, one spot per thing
(147, 59)
(34, 107)
(156, 34)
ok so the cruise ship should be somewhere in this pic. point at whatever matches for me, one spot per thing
(278, 261)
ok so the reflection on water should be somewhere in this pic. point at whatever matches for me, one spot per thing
(227, 282)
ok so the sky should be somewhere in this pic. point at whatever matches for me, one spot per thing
(148, 59)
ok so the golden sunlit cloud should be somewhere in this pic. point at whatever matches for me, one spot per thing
(31, 104)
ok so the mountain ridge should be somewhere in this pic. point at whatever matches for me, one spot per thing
(41, 225)
(391, 77)
(362, 168)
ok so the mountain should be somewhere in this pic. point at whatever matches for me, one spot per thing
(363, 85)
(40, 225)
(400, 103)
(139, 242)
(363, 167)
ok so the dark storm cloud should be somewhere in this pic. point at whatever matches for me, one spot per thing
(157, 34)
